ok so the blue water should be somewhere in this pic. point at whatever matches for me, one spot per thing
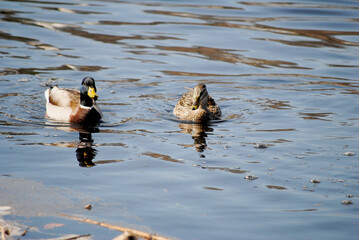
(285, 74)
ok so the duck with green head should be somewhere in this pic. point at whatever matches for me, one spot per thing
(69, 105)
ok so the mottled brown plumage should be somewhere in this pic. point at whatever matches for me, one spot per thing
(196, 105)
(68, 105)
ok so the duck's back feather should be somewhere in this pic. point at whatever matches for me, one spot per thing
(64, 97)
(214, 108)
(58, 113)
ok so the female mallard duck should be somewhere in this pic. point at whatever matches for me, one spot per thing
(73, 106)
(196, 105)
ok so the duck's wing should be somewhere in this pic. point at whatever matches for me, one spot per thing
(187, 99)
(214, 108)
(65, 98)
(182, 108)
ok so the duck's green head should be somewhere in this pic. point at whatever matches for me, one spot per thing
(89, 88)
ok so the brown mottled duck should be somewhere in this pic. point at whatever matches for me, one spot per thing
(196, 105)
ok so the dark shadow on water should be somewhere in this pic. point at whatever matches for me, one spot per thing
(85, 153)
(85, 147)
(198, 132)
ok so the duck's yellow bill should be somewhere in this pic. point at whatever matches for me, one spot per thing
(195, 104)
(92, 93)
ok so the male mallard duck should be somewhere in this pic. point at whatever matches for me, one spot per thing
(73, 106)
(196, 105)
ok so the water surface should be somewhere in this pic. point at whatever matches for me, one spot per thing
(285, 74)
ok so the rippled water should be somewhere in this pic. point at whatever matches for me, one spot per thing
(285, 74)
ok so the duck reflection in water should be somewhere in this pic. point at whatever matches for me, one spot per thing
(85, 153)
(198, 107)
(198, 132)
